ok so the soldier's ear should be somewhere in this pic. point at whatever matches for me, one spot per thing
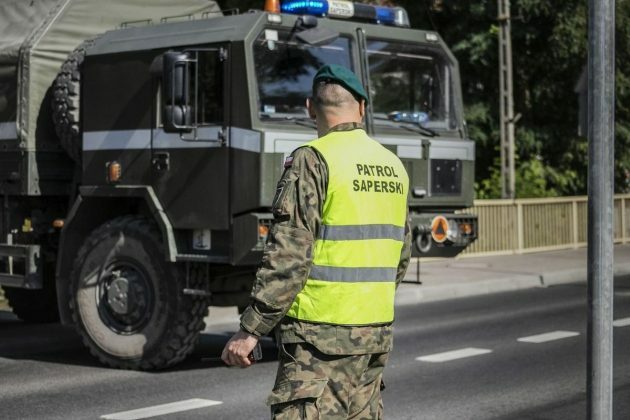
(362, 108)
(310, 106)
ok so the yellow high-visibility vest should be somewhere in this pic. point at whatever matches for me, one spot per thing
(356, 254)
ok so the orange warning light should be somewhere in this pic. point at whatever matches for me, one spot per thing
(439, 229)
(272, 6)
(114, 171)
(466, 228)
(263, 231)
(58, 223)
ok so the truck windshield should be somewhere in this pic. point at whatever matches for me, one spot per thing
(285, 68)
(409, 83)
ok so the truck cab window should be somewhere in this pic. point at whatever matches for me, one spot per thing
(210, 89)
(409, 78)
(204, 91)
(285, 68)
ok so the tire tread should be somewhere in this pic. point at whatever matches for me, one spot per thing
(181, 336)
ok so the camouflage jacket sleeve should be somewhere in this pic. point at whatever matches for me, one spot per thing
(297, 209)
(405, 254)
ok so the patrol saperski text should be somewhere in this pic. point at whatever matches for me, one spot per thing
(373, 185)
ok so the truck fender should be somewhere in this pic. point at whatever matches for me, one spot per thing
(93, 207)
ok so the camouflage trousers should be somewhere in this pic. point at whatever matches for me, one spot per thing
(313, 385)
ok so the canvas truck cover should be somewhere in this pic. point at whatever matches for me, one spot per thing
(36, 36)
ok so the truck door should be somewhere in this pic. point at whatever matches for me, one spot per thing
(190, 160)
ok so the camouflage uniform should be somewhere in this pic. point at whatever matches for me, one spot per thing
(331, 369)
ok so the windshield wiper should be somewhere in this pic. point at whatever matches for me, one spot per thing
(420, 130)
(416, 128)
(303, 121)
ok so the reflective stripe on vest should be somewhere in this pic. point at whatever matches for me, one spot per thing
(356, 254)
(347, 233)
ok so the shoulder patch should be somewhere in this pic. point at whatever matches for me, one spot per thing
(288, 162)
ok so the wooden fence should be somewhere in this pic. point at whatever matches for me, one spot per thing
(545, 224)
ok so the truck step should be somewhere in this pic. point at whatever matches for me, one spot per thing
(197, 292)
(19, 266)
(202, 258)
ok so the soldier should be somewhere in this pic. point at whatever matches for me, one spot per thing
(339, 246)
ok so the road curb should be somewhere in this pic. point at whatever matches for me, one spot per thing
(578, 275)
(622, 270)
(556, 278)
(411, 294)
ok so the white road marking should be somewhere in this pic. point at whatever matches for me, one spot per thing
(550, 336)
(623, 322)
(453, 355)
(159, 410)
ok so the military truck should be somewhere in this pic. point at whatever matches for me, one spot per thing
(141, 143)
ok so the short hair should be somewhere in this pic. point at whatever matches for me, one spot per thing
(328, 94)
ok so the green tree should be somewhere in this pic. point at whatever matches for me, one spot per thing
(622, 106)
(550, 51)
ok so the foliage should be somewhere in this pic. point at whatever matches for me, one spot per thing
(549, 53)
(622, 110)
(549, 40)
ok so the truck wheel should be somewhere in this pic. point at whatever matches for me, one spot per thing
(65, 102)
(127, 300)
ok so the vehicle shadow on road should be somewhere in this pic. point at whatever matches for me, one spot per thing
(55, 343)
(52, 343)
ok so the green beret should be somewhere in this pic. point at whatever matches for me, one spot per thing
(342, 76)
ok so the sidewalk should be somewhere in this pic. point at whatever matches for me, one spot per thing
(453, 278)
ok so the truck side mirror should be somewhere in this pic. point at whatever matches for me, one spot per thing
(177, 119)
(177, 74)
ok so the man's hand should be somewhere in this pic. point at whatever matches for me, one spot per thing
(237, 350)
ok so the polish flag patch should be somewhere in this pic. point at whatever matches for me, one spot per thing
(288, 162)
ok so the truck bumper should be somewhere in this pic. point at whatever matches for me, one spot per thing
(442, 234)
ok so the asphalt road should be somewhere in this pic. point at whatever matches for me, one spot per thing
(516, 355)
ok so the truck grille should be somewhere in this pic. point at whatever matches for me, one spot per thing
(446, 177)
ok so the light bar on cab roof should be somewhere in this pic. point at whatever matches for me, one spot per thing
(343, 9)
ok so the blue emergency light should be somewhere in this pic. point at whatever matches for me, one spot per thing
(343, 9)
(314, 8)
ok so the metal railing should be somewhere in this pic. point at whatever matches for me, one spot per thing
(542, 224)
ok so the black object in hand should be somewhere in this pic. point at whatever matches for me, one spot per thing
(256, 354)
